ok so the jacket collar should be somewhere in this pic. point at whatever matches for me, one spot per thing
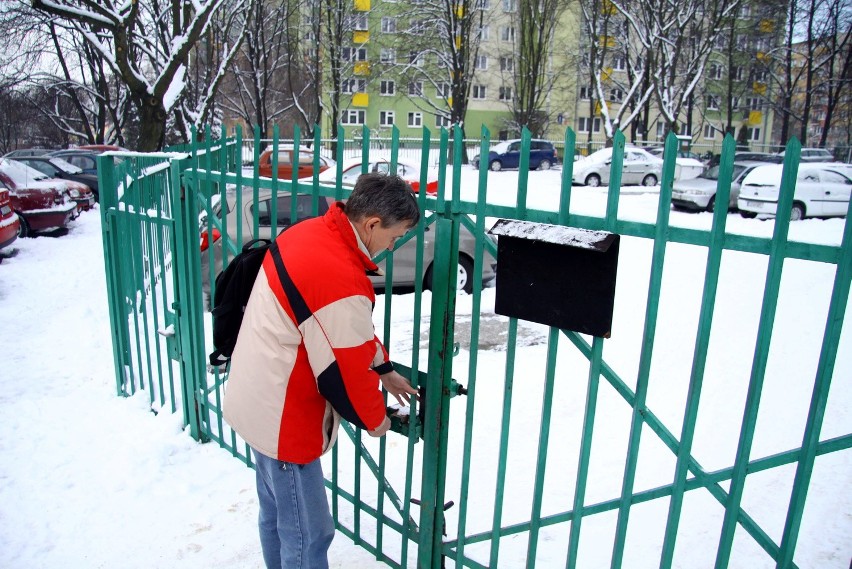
(337, 221)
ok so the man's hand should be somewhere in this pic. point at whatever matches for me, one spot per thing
(381, 429)
(398, 386)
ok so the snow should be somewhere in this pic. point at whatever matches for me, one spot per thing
(95, 480)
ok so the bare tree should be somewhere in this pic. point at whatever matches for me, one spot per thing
(530, 66)
(838, 66)
(150, 47)
(437, 46)
(678, 38)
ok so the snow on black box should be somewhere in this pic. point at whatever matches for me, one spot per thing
(555, 275)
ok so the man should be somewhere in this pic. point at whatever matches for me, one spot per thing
(307, 354)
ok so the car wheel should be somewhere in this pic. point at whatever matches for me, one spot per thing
(24, 228)
(496, 166)
(649, 180)
(798, 212)
(593, 180)
(711, 205)
(465, 276)
(748, 214)
(544, 165)
(475, 163)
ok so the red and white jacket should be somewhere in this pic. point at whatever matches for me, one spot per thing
(298, 367)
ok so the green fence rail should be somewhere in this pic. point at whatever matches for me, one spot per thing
(499, 468)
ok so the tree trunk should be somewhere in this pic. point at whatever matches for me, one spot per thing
(152, 125)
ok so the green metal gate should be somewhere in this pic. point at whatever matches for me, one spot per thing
(477, 479)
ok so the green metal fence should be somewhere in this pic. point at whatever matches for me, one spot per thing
(502, 466)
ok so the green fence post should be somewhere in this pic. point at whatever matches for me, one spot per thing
(435, 428)
(115, 301)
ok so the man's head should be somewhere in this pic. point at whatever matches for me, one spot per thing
(382, 208)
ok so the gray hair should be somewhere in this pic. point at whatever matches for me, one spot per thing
(386, 196)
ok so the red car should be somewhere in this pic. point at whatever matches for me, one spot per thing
(41, 204)
(9, 222)
(305, 167)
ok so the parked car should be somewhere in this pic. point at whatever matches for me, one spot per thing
(27, 152)
(746, 155)
(57, 167)
(688, 165)
(305, 166)
(408, 171)
(639, 167)
(403, 259)
(80, 193)
(10, 224)
(507, 154)
(699, 194)
(40, 205)
(103, 147)
(812, 155)
(822, 190)
(85, 160)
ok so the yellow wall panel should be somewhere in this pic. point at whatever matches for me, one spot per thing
(362, 68)
(360, 100)
(362, 5)
(755, 118)
(360, 36)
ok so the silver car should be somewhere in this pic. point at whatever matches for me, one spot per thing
(699, 194)
(638, 167)
(403, 259)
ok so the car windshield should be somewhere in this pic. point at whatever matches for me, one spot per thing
(712, 173)
(21, 174)
(65, 166)
(501, 148)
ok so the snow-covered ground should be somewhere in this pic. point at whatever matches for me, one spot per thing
(93, 480)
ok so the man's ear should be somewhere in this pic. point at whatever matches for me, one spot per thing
(373, 222)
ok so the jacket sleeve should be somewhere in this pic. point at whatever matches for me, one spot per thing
(342, 347)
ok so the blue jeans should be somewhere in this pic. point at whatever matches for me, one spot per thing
(296, 527)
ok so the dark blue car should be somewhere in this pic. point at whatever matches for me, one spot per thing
(507, 154)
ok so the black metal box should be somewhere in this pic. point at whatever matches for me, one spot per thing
(555, 275)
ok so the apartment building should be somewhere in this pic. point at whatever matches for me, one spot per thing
(398, 58)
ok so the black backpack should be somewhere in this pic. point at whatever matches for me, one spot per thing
(233, 288)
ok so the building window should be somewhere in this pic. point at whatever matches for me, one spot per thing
(709, 131)
(354, 54)
(352, 116)
(442, 121)
(389, 25)
(585, 93)
(737, 73)
(507, 64)
(661, 130)
(505, 93)
(415, 119)
(712, 103)
(484, 33)
(443, 90)
(418, 27)
(358, 21)
(415, 89)
(761, 75)
(386, 118)
(619, 63)
(715, 71)
(387, 55)
(754, 134)
(616, 95)
(479, 92)
(585, 123)
(415, 58)
(510, 5)
(387, 87)
(349, 86)
(481, 62)
(483, 4)
(507, 33)
(754, 103)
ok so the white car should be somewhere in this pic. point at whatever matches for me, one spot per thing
(639, 167)
(687, 164)
(406, 170)
(822, 190)
(699, 194)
